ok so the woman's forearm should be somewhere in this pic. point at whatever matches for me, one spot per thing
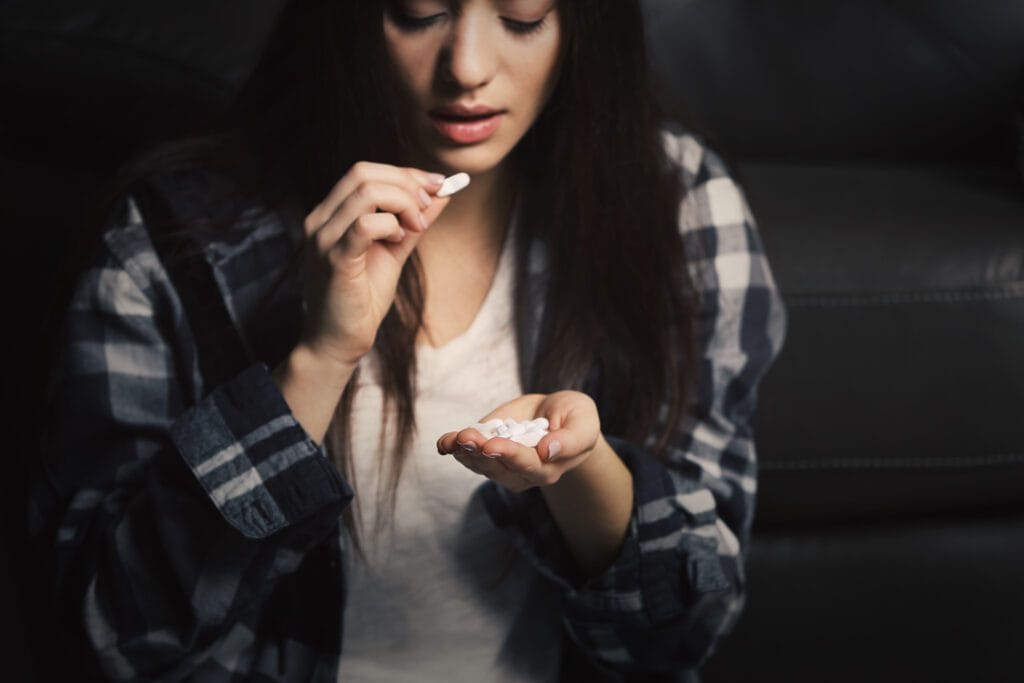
(311, 387)
(592, 505)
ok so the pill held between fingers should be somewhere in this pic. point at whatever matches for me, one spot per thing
(453, 184)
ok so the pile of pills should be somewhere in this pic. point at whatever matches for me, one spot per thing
(529, 433)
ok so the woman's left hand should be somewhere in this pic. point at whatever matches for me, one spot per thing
(573, 430)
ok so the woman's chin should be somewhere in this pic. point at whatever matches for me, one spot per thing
(471, 159)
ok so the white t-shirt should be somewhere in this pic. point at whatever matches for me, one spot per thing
(443, 594)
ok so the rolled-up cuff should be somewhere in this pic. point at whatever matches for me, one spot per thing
(256, 463)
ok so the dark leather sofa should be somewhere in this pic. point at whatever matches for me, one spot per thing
(880, 143)
(877, 144)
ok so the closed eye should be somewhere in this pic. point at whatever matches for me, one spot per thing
(411, 24)
(524, 28)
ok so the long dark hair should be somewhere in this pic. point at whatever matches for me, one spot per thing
(599, 193)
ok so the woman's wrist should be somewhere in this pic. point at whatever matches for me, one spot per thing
(592, 504)
(315, 366)
(311, 385)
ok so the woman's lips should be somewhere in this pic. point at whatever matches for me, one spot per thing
(465, 131)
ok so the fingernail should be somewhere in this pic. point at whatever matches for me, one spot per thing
(492, 456)
(554, 448)
(425, 199)
(435, 178)
(471, 447)
(423, 222)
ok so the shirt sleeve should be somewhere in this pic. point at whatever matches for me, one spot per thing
(677, 586)
(164, 518)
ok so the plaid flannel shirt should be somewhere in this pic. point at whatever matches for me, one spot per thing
(193, 531)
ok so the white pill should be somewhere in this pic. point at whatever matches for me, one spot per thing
(539, 423)
(517, 429)
(453, 184)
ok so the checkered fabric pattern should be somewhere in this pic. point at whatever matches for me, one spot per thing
(193, 531)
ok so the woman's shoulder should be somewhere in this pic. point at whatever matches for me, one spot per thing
(146, 270)
(168, 215)
(713, 206)
(692, 153)
(722, 239)
(124, 250)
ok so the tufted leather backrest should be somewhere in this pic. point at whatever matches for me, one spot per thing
(846, 79)
(876, 144)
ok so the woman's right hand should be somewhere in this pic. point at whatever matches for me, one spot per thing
(357, 241)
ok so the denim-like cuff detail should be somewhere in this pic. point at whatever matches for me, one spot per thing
(257, 464)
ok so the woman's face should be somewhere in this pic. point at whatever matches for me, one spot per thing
(478, 73)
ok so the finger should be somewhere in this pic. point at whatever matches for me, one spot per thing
(514, 457)
(523, 464)
(434, 210)
(403, 241)
(366, 230)
(461, 458)
(446, 443)
(565, 442)
(411, 179)
(573, 427)
(553, 445)
(369, 199)
(469, 439)
(406, 246)
(478, 464)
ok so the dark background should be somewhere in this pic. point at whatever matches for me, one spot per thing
(880, 144)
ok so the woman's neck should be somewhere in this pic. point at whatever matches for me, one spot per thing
(478, 216)
(459, 255)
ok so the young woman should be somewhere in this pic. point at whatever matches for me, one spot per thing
(263, 464)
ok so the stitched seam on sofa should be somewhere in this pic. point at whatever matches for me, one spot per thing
(893, 463)
(1015, 291)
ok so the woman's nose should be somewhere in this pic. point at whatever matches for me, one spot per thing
(471, 58)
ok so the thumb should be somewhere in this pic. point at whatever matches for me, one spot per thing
(437, 205)
(574, 423)
(406, 246)
(560, 443)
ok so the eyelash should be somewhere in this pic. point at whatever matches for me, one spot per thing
(412, 24)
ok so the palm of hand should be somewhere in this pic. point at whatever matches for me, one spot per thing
(574, 428)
